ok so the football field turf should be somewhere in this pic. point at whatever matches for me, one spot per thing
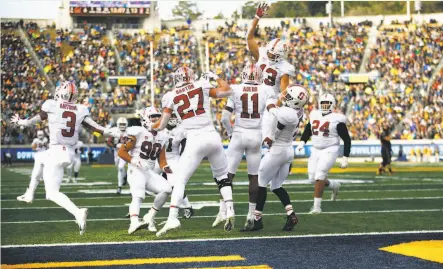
(406, 207)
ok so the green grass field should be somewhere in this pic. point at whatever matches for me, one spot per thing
(411, 199)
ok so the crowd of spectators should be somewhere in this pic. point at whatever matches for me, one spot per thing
(405, 55)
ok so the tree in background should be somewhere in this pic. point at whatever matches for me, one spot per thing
(248, 10)
(186, 10)
(219, 16)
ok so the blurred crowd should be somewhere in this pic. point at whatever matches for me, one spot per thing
(403, 98)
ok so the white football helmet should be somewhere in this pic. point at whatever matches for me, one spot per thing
(295, 97)
(276, 50)
(183, 75)
(251, 74)
(66, 91)
(149, 116)
(326, 103)
(173, 120)
(40, 134)
(122, 124)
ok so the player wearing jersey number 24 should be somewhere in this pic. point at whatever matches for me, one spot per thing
(325, 128)
(190, 100)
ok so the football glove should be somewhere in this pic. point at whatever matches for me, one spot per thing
(210, 75)
(267, 142)
(301, 145)
(261, 10)
(273, 111)
(167, 169)
(15, 119)
(344, 162)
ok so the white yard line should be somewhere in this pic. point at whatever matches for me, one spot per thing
(216, 203)
(213, 216)
(226, 239)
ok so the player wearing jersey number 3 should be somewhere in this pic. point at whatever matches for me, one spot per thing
(326, 128)
(64, 120)
(190, 100)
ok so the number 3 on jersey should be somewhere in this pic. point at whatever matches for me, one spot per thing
(184, 103)
(272, 75)
(69, 123)
(324, 128)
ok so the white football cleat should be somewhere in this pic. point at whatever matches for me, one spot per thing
(315, 210)
(135, 226)
(81, 220)
(219, 219)
(229, 224)
(335, 191)
(149, 220)
(171, 224)
(27, 197)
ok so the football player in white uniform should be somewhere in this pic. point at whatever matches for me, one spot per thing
(141, 151)
(190, 100)
(274, 167)
(271, 59)
(76, 164)
(116, 143)
(173, 150)
(326, 128)
(248, 101)
(64, 120)
(39, 146)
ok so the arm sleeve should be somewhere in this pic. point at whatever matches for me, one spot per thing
(92, 125)
(307, 133)
(342, 131)
(226, 122)
(167, 101)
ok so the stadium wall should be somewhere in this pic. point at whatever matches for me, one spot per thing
(369, 148)
(313, 22)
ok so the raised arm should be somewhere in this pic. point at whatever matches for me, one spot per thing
(163, 121)
(251, 43)
(223, 90)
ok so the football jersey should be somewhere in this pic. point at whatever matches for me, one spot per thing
(64, 121)
(77, 149)
(41, 144)
(191, 104)
(249, 103)
(273, 71)
(290, 118)
(175, 137)
(147, 146)
(324, 128)
(122, 134)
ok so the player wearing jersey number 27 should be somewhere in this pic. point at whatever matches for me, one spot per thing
(190, 100)
(65, 118)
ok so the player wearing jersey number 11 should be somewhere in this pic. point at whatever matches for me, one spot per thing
(248, 102)
(325, 128)
(190, 101)
(64, 120)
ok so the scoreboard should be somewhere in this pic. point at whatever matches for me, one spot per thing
(106, 8)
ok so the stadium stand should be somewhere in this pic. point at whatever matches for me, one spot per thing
(405, 55)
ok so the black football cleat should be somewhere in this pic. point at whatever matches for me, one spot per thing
(291, 221)
(119, 190)
(188, 212)
(258, 225)
(128, 216)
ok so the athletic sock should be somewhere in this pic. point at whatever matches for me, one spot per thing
(317, 202)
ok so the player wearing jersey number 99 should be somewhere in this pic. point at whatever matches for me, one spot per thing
(190, 100)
